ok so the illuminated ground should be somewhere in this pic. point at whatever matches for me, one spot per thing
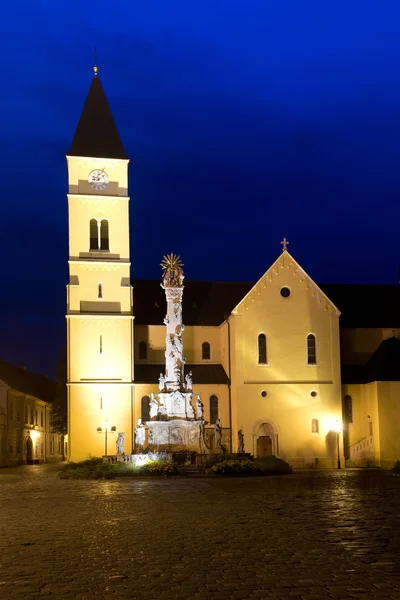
(313, 536)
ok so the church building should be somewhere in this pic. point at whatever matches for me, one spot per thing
(264, 357)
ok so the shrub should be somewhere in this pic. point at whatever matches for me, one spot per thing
(396, 467)
(159, 468)
(271, 465)
(233, 467)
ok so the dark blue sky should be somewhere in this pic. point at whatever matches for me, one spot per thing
(248, 120)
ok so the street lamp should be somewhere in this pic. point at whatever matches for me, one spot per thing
(105, 429)
(338, 429)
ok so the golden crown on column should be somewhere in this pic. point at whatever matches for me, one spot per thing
(172, 270)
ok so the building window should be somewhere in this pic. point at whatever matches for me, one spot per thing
(213, 409)
(142, 351)
(145, 409)
(18, 448)
(11, 413)
(370, 428)
(36, 419)
(59, 446)
(32, 421)
(18, 416)
(10, 447)
(285, 292)
(205, 351)
(51, 446)
(50, 419)
(262, 349)
(42, 449)
(314, 426)
(41, 418)
(348, 409)
(100, 290)
(101, 345)
(94, 235)
(311, 350)
(104, 242)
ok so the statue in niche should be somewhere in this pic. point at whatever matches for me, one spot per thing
(161, 382)
(120, 443)
(217, 433)
(189, 381)
(240, 442)
(153, 407)
(140, 435)
(200, 407)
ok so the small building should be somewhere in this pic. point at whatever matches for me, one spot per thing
(26, 433)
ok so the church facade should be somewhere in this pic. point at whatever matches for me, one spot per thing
(265, 358)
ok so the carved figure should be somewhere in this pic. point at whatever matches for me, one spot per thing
(161, 382)
(140, 434)
(172, 271)
(120, 443)
(189, 381)
(240, 442)
(177, 436)
(153, 406)
(218, 433)
(200, 407)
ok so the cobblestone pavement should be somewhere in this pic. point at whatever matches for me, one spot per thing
(312, 535)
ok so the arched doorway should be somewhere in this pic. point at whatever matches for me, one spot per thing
(265, 439)
(29, 449)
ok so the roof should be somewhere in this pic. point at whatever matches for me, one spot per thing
(384, 365)
(206, 303)
(211, 302)
(366, 305)
(147, 373)
(97, 135)
(26, 382)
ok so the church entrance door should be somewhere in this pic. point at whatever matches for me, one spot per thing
(29, 450)
(264, 446)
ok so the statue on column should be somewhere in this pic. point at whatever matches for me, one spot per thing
(140, 434)
(189, 381)
(240, 442)
(218, 433)
(161, 382)
(153, 407)
(200, 407)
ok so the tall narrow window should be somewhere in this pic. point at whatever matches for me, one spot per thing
(101, 344)
(213, 409)
(311, 350)
(142, 351)
(348, 409)
(314, 426)
(205, 351)
(104, 242)
(41, 418)
(262, 349)
(100, 290)
(94, 235)
(145, 409)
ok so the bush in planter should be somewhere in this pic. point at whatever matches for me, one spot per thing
(271, 465)
(160, 468)
(93, 468)
(233, 467)
(396, 467)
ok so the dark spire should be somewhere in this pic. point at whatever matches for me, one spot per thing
(97, 135)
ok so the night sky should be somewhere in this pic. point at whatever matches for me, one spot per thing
(245, 121)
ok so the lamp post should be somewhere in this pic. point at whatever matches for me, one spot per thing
(105, 429)
(338, 429)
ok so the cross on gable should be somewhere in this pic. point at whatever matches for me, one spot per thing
(284, 244)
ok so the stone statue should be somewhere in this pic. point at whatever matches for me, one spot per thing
(200, 407)
(189, 381)
(240, 442)
(218, 433)
(153, 407)
(140, 434)
(161, 382)
(120, 443)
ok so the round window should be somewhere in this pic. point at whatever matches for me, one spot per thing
(264, 394)
(313, 394)
(285, 292)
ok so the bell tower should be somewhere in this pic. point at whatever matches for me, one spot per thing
(99, 294)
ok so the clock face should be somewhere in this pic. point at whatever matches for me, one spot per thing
(98, 179)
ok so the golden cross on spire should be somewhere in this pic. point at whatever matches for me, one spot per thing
(284, 243)
(95, 67)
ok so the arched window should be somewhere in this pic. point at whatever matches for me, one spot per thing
(213, 409)
(100, 291)
(262, 349)
(311, 350)
(104, 242)
(348, 409)
(94, 235)
(142, 351)
(205, 351)
(145, 409)
(314, 426)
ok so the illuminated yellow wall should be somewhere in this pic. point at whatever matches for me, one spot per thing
(99, 322)
(287, 379)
